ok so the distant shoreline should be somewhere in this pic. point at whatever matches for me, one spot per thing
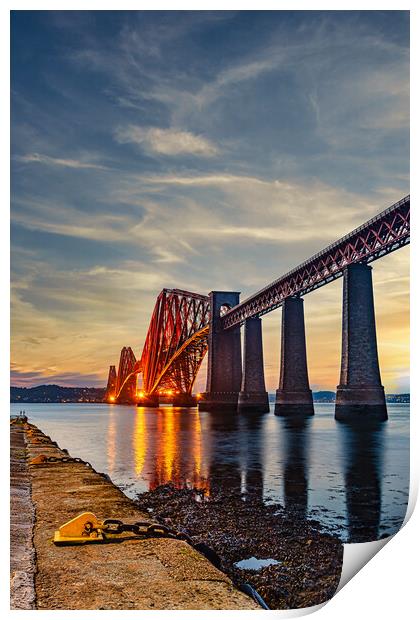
(60, 394)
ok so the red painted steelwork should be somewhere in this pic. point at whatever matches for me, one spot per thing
(126, 385)
(110, 393)
(176, 342)
(381, 235)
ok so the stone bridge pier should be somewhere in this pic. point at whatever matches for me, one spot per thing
(253, 396)
(224, 369)
(294, 396)
(360, 393)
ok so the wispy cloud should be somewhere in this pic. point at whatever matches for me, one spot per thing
(166, 141)
(202, 180)
(46, 376)
(62, 218)
(57, 161)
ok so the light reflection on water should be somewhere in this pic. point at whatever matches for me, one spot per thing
(354, 481)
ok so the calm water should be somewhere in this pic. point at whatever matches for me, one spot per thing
(355, 482)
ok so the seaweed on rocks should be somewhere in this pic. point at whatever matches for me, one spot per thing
(237, 527)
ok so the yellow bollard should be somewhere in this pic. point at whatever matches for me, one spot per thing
(82, 529)
(37, 460)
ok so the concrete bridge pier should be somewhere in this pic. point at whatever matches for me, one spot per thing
(360, 394)
(151, 400)
(294, 397)
(184, 400)
(224, 369)
(253, 396)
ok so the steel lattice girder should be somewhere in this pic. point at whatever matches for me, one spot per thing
(126, 379)
(180, 372)
(112, 383)
(381, 235)
(175, 344)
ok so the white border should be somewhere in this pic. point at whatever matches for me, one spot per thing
(387, 585)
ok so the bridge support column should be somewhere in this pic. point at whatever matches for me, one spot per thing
(294, 395)
(360, 393)
(184, 400)
(151, 400)
(253, 395)
(224, 368)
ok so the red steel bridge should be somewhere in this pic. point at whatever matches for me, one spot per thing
(178, 336)
(175, 345)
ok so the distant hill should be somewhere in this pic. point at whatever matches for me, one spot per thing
(56, 394)
(398, 398)
(324, 397)
(319, 397)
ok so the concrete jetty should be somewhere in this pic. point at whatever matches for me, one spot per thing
(155, 573)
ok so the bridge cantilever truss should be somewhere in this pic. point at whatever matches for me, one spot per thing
(126, 381)
(176, 341)
(175, 346)
(177, 338)
(381, 235)
(111, 388)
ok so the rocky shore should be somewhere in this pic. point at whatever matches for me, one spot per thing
(308, 562)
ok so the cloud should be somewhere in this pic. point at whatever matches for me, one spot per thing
(62, 218)
(166, 141)
(215, 205)
(273, 234)
(21, 378)
(203, 180)
(173, 217)
(55, 161)
(109, 307)
(234, 75)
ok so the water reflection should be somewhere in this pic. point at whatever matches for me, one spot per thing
(140, 440)
(200, 473)
(168, 448)
(219, 453)
(252, 466)
(362, 449)
(111, 441)
(167, 454)
(295, 465)
(354, 480)
(223, 452)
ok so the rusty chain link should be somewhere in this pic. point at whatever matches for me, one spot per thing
(65, 459)
(144, 529)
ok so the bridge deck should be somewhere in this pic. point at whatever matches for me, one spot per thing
(384, 233)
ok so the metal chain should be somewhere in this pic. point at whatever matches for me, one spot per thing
(66, 459)
(144, 529)
(87, 528)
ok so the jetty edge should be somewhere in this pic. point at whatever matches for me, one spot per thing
(155, 573)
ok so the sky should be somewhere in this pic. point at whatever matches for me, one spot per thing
(203, 151)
